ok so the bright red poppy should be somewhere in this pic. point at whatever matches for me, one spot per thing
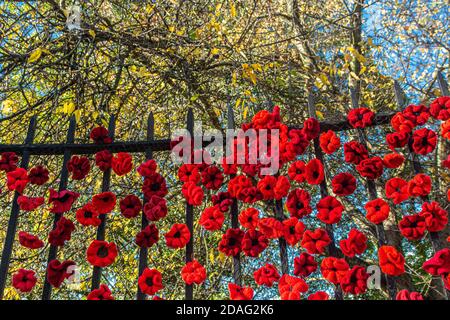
(178, 236)
(240, 293)
(122, 163)
(298, 203)
(356, 243)
(17, 180)
(30, 241)
(150, 281)
(291, 288)
(104, 202)
(377, 210)
(329, 142)
(193, 272)
(334, 269)
(267, 275)
(304, 265)
(24, 280)
(360, 117)
(212, 218)
(249, 218)
(343, 184)
(88, 215)
(101, 253)
(231, 241)
(102, 293)
(329, 210)
(315, 241)
(29, 203)
(391, 261)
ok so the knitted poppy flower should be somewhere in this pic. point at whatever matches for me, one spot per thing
(193, 272)
(417, 114)
(101, 253)
(401, 123)
(311, 127)
(104, 202)
(314, 172)
(424, 141)
(156, 208)
(293, 230)
(130, 206)
(212, 218)
(436, 218)
(178, 236)
(100, 135)
(102, 293)
(281, 187)
(212, 178)
(230, 244)
(356, 243)
(150, 281)
(24, 280)
(147, 168)
(355, 152)
(103, 160)
(61, 233)
(241, 188)
(189, 172)
(88, 215)
(419, 186)
(412, 227)
(446, 162)
(397, 139)
(329, 210)
(391, 261)
(343, 184)
(267, 275)
(29, 203)
(315, 241)
(192, 193)
(406, 295)
(30, 241)
(272, 228)
(439, 264)
(62, 201)
(329, 142)
(266, 187)
(440, 108)
(223, 200)
(355, 281)
(334, 269)
(253, 243)
(154, 184)
(319, 295)
(445, 129)
(148, 236)
(240, 293)
(296, 171)
(57, 272)
(38, 175)
(291, 288)
(8, 161)
(249, 218)
(79, 167)
(397, 190)
(297, 203)
(17, 180)
(360, 117)
(393, 160)
(304, 265)
(122, 163)
(371, 168)
(377, 210)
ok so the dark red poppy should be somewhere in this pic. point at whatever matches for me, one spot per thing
(241, 188)
(401, 123)
(417, 114)
(356, 243)
(101, 253)
(253, 243)
(329, 210)
(355, 152)
(57, 271)
(212, 218)
(334, 269)
(304, 265)
(412, 227)
(122, 163)
(61, 233)
(155, 208)
(223, 200)
(230, 244)
(193, 272)
(100, 135)
(102, 293)
(446, 162)
(150, 281)
(391, 261)
(397, 190)
(343, 184)
(79, 167)
(24, 280)
(240, 293)
(293, 230)
(291, 288)
(419, 186)
(297, 203)
(189, 172)
(212, 178)
(436, 218)
(424, 141)
(88, 215)
(103, 160)
(295, 146)
(38, 175)
(154, 185)
(130, 206)
(311, 127)
(249, 218)
(147, 168)
(355, 281)
(329, 142)
(397, 139)
(319, 295)
(440, 108)
(62, 201)
(178, 236)
(8, 161)
(29, 203)
(17, 180)
(371, 168)
(192, 193)
(377, 210)
(315, 241)
(267, 275)
(439, 264)
(272, 228)
(104, 202)
(148, 236)
(266, 187)
(30, 241)
(296, 171)
(406, 295)
(360, 117)
(314, 172)
(393, 160)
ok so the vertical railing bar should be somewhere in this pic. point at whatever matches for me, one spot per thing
(47, 290)
(14, 217)
(443, 84)
(143, 252)
(189, 289)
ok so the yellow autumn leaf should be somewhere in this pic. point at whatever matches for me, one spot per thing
(77, 114)
(92, 33)
(319, 115)
(35, 55)
(233, 10)
(211, 256)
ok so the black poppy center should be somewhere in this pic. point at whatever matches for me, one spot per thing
(102, 252)
(177, 234)
(149, 282)
(232, 241)
(155, 186)
(88, 214)
(255, 242)
(299, 205)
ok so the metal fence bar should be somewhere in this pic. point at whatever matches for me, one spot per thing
(189, 289)
(14, 217)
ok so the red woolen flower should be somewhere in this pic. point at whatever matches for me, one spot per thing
(122, 163)
(240, 293)
(253, 243)
(439, 264)
(355, 152)
(377, 210)
(424, 141)
(154, 185)
(329, 210)
(38, 175)
(223, 200)
(147, 168)
(406, 295)
(17, 180)
(192, 193)
(104, 202)
(334, 269)
(100, 135)
(148, 236)
(417, 114)
(62, 232)
(436, 218)
(440, 108)
(371, 168)
(178, 236)
(241, 188)
(304, 265)
(62, 201)
(360, 117)
(102, 293)
(29, 203)
(103, 160)
(267, 275)
(130, 206)
(272, 228)
(329, 142)
(391, 261)
(314, 172)
(266, 187)
(212, 218)
(293, 230)
(401, 123)
(212, 178)
(356, 243)
(156, 208)
(419, 186)
(193, 272)
(30, 241)
(79, 167)
(57, 271)
(319, 295)
(88, 215)
(445, 129)
(24, 280)
(101, 253)
(150, 281)
(296, 171)
(8, 161)
(249, 218)
(189, 172)
(230, 244)
(311, 127)
(397, 190)
(291, 288)
(355, 281)
(412, 227)
(281, 187)
(298, 203)
(343, 184)
(446, 162)
(397, 139)
(315, 241)
(393, 160)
